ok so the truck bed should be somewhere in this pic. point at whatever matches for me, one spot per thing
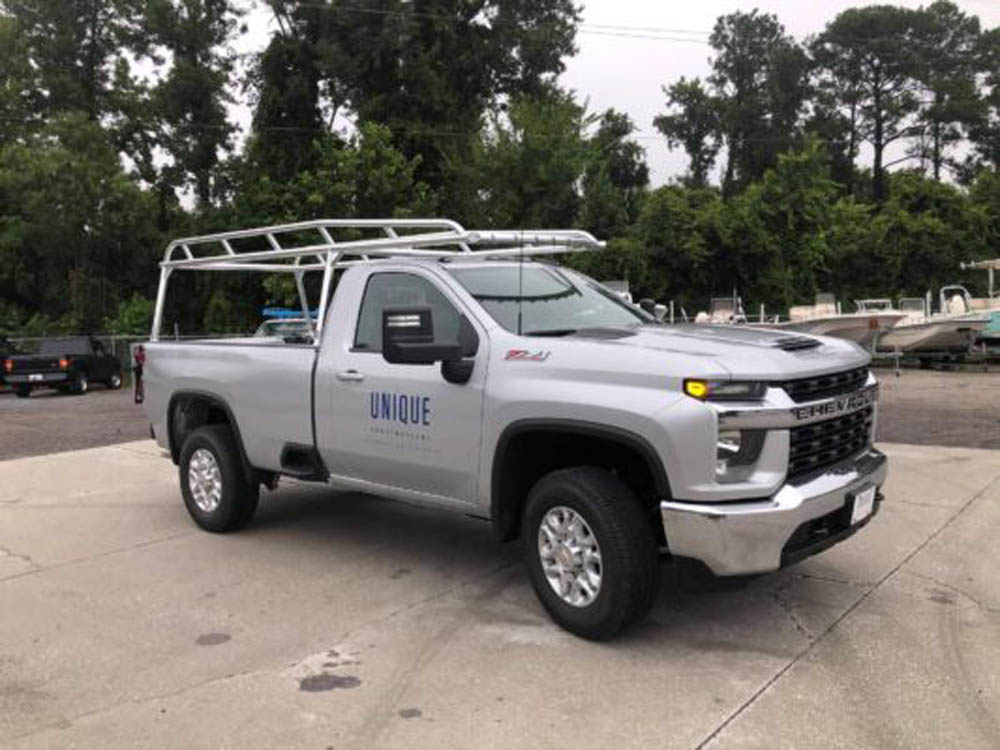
(267, 386)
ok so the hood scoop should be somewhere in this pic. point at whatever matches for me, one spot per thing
(795, 343)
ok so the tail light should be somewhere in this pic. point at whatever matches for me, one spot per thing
(8, 365)
(64, 363)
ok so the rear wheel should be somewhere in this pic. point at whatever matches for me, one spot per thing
(591, 552)
(80, 384)
(23, 391)
(216, 491)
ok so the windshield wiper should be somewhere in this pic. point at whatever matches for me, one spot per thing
(551, 332)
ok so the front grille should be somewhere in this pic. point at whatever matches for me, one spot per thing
(821, 444)
(824, 386)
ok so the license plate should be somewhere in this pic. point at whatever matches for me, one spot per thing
(864, 503)
(36, 376)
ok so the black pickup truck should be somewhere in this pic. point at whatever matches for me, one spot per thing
(67, 364)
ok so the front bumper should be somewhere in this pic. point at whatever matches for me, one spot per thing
(755, 536)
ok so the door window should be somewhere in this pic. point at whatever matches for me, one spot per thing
(388, 290)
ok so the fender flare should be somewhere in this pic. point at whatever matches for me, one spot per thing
(218, 402)
(502, 523)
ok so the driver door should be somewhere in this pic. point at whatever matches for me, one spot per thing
(402, 425)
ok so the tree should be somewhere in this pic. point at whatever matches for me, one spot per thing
(984, 132)
(80, 52)
(532, 163)
(759, 76)
(427, 70)
(615, 177)
(285, 81)
(948, 41)
(867, 60)
(191, 100)
(19, 88)
(74, 228)
(692, 123)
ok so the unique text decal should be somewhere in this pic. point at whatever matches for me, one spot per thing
(539, 355)
(400, 407)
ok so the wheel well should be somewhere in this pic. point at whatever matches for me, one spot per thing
(188, 412)
(529, 454)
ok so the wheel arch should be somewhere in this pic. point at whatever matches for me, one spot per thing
(200, 408)
(518, 464)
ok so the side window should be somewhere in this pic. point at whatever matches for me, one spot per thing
(402, 290)
(98, 349)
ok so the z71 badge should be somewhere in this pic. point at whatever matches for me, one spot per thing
(836, 406)
(539, 355)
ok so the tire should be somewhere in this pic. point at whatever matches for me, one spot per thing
(114, 382)
(23, 391)
(236, 498)
(629, 562)
(80, 384)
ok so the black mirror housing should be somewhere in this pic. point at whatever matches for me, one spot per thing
(408, 338)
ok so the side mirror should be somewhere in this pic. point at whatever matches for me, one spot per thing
(408, 338)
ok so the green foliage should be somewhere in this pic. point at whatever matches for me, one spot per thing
(692, 124)
(532, 160)
(134, 317)
(190, 101)
(74, 229)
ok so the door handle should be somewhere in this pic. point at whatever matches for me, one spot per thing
(350, 376)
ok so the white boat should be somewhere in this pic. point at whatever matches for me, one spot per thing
(723, 311)
(824, 318)
(922, 332)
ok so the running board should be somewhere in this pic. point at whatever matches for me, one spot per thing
(303, 462)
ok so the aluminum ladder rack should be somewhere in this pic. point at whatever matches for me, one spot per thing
(311, 246)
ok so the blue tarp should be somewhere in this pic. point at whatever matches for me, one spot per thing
(285, 312)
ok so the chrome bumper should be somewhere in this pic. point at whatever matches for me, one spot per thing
(749, 537)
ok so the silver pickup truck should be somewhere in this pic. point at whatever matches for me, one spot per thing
(452, 369)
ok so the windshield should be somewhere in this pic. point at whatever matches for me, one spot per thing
(541, 300)
(283, 328)
(52, 347)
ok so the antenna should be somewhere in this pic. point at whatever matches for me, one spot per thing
(520, 284)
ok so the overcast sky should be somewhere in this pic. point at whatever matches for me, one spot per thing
(628, 49)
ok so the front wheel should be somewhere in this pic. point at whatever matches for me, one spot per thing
(114, 382)
(216, 491)
(590, 551)
(23, 391)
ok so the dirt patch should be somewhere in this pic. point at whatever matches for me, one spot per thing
(50, 422)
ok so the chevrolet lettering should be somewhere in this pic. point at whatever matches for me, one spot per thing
(843, 405)
(450, 368)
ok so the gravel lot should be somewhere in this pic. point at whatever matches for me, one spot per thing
(50, 422)
(960, 409)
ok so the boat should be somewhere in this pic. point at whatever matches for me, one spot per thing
(952, 331)
(723, 311)
(824, 318)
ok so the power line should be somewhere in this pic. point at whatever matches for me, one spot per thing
(613, 30)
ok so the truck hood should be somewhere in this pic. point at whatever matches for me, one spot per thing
(744, 352)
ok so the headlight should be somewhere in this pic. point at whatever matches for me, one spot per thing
(724, 390)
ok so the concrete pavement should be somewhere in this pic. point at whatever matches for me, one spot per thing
(349, 622)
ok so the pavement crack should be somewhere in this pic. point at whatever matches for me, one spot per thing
(831, 579)
(76, 560)
(7, 552)
(771, 681)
